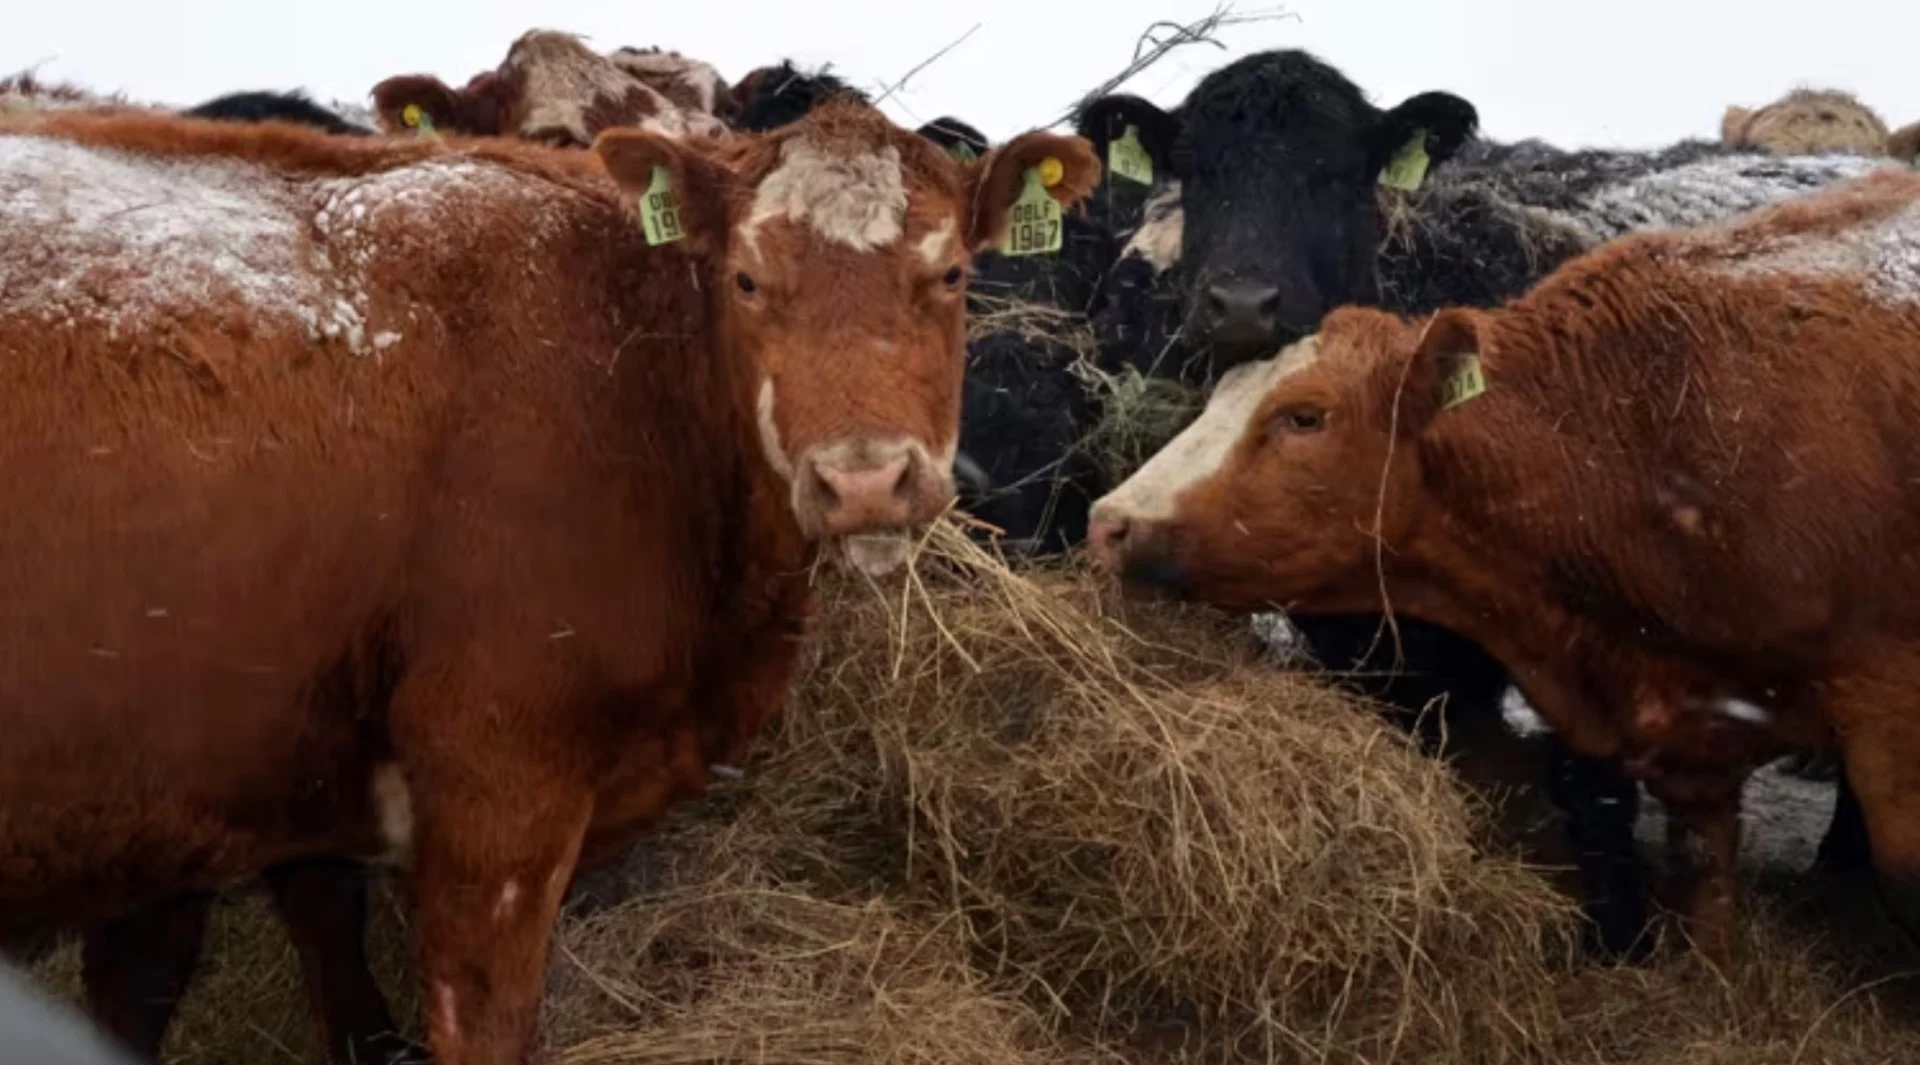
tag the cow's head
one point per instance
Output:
(1279, 157)
(550, 88)
(770, 97)
(837, 250)
(1281, 492)
(1807, 122)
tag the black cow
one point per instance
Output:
(275, 106)
(1278, 160)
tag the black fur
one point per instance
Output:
(275, 106)
(771, 97)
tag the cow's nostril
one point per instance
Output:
(824, 488)
(903, 485)
(1217, 301)
(1270, 306)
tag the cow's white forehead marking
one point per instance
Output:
(1202, 448)
(857, 199)
(770, 432)
(937, 245)
(1158, 238)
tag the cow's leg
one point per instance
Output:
(324, 904)
(136, 969)
(499, 815)
(1709, 806)
(1880, 740)
(1600, 804)
(1845, 848)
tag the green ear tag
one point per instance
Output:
(1409, 165)
(660, 210)
(1465, 382)
(1033, 227)
(1127, 159)
(417, 119)
(962, 152)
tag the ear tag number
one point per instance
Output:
(1034, 226)
(1464, 382)
(660, 209)
(1127, 159)
(1409, 165)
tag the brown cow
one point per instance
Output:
(551, 87)
(1682, 512)
(398, 498)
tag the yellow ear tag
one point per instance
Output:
(1033, 227)
(1465, 382)
(1409, 165)
(660, 209)
(416, 119)
(1051, 171)
(962, 152)
(1127, 159)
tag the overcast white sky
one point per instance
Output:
(1628, 72)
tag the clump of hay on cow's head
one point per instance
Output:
(1139, 830)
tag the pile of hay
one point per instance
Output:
(1000, 825)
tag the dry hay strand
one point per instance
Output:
(990, 313)
(1139, 415)
(733, 969)
(1787, 1002)
(1150, 837)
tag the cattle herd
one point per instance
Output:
(439, 487)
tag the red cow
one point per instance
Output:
(1682, 512)
(409, 498)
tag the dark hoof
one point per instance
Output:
(1617, 931)
(1900, 893)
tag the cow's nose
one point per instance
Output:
(861, 489)
(1107, 540)
(1242, 311)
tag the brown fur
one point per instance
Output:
(1807, 122)
(534, 553)
(1904, 144)
(1683, 484)
(550, 87)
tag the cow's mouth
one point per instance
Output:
(877, 554)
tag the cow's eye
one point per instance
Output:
(954, 277)
(745, 284)
(1300, 420)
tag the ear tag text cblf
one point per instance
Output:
(1128, 159)
(660, 210)
(1409, 165)
(1034, 225)
(1464, 381)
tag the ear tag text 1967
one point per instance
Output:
(1464, 381)
(660, 210)
(1409, 165)
(1034, 226)
(1128, 159)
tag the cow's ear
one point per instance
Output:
(995, 182)
(1733, 125)
(417, 103)
(1444, 371)
(677, 190)
(1107, 119)
(1444, 121)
